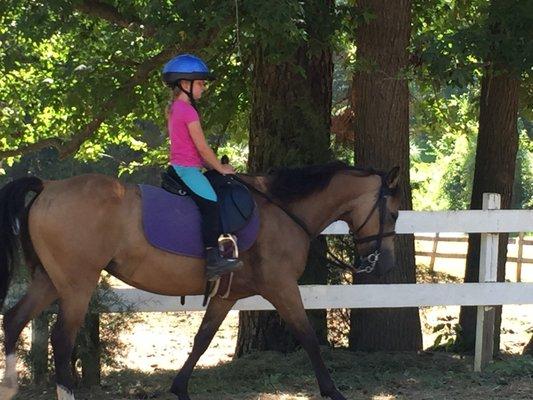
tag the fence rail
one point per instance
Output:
(520, 241)
(353, 296)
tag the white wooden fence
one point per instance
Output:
(489, 222)
(521, 243)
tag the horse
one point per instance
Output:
(75, 228)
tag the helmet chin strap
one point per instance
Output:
(188, 93)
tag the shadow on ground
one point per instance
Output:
(378, 376)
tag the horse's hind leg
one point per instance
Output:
(215, 314)
(288, 302)
(39, 296)
(73, 304)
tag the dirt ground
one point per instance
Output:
(166, 344)
(273, 376)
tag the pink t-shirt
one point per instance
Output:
(182, 149)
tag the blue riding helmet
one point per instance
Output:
(185, 67)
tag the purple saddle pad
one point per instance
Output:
(172, 223)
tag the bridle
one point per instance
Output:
(368, 263)
(365, 264)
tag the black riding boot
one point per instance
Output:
(211, 230)
(218, 265)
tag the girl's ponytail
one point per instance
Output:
(175, 91)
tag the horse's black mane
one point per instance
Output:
(289, 184)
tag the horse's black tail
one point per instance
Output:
(13, 221)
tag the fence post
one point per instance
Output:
(519, 256)
(488, 267)
(433, 253)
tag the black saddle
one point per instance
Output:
(235, 201)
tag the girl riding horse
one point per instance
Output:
(75, 228)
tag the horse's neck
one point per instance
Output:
(320, 209)
(341, 195)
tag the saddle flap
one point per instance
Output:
(236, 206)
(235, 201)
(242, 199)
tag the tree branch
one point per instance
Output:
(111, 14)
(30, 148)
(140, 76)
(69, 146)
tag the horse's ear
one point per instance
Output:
(393, 177)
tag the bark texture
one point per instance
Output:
(380, 101)
(497, 146)
(289, 126)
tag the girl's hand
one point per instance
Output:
(226, 169)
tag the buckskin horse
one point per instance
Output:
(73, 229)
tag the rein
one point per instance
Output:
(367, 263)
(270, 199)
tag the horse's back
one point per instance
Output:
(89, 187)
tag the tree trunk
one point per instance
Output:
(497, 146)
(380, 100)
(289, 125)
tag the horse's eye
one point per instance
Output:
(394, 216)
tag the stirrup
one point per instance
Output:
(212, 288)
(227, 245)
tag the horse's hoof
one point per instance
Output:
(181, 395)
(64, 394)
(333, 395)
(7, 393)
(179, 388)
(337, 396)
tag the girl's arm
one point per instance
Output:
(207, 154)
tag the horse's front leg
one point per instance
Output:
(214, 316)
(285, 296)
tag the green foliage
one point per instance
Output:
(58, 78)
(443, 144)
(453, 42)
(455, 39)
(443, 139)
(523, 186)
(447, 332)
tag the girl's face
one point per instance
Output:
(198, 88)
